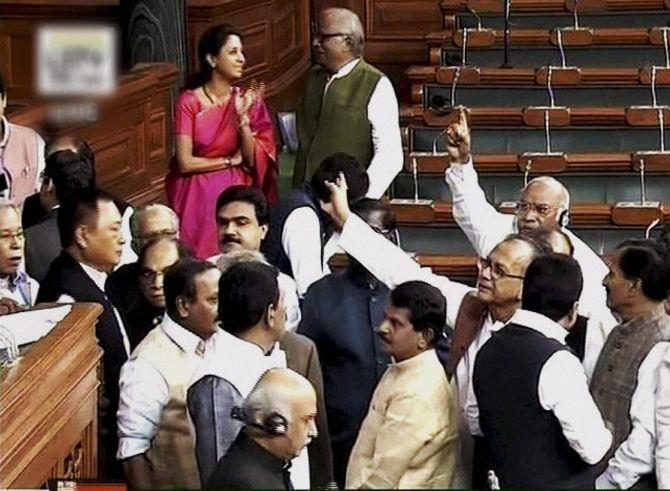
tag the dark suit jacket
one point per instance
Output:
(247, 465)
(32, 212)
(301, 356)
(67, 277)
(42, 245)
(139, 316)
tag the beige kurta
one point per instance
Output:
(409, 438)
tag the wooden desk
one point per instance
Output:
(49, 405)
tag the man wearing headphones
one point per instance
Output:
(279, 422)
(544, 204)
(348, 106)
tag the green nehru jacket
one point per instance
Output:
(337, 121)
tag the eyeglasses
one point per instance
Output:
(321, 37)
(497, 272)
(9, 237)
(540, 208)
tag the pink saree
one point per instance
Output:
(214, 133)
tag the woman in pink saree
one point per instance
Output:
(224, 137)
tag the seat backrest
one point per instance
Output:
(210, 401)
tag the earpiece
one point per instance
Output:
(274, 424)
(563, 217)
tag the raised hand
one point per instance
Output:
(458, 139)
(338, 207)
(244, 100)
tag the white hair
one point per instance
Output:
(555, 184)
(351, 24)
(151, 208)
(240, 256)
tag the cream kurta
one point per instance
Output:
(409, 438)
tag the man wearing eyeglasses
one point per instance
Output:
(474, 314)
(340, 314)
(17, 289)
(348, 106)
(544, 204)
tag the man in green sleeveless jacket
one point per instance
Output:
(349, 106)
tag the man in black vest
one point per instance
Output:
(89, 226)
(535, 411)
(298, 224)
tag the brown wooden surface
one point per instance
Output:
(421, 74)
(48, 405)
(601, 163)
(542, 37)
(132, 139)
(276, 41)
(18, 22)
(532, 116)
(589, 215)
(449, 6)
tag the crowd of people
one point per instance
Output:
(234, 357)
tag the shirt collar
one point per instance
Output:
(346, 69)
(5, 127)
(14, 281)
(540, 323)
(241, 346)
(98, 277)
(184, 338)
(415, 362)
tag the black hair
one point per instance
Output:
(330, 168)
(552, 284)
(77, 210)
(646, 260)
(179, 281)
(426, 304)
(182, 250)
(81, 148)
(210, 43)
(248, 194)
(365, 206)
(246, 290)
(69, 173)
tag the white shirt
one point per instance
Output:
(663, 424)
(384, 118)
(13, 292)
(144, 393)
(242, 363)
(288, 290)
(128, 256)
(301, 241)
(486, 227)
(563, 389)
(40, 158)
(635, 456)
(100, 278)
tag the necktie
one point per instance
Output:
(200, 350)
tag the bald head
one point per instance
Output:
(150, 222)
(282, 394)
(347, 22)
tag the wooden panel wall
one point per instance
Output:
(18, 22)
(394, 29)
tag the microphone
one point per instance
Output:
(506, 63)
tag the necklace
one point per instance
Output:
(206, 92)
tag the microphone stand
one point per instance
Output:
(506, 63)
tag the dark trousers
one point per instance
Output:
(341, 452)
(481, 463)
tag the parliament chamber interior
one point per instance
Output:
(574, 89)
